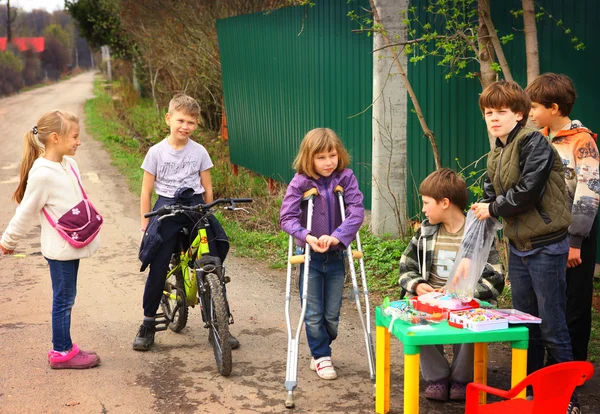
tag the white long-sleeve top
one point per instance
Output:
(53, 186)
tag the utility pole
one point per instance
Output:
(8, 23)
(106, 58)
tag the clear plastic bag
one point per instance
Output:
(472, 256)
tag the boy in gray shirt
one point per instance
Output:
(175, 162)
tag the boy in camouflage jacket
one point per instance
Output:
(425, 266)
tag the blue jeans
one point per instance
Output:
(539, 288)
(64, 290)
(326, 276)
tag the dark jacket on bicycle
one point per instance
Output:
(167, 229)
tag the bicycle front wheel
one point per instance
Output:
(218, 324)
(173, 302)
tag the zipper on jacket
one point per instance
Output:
(326, 180)
(498, 172)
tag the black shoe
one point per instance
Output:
(234, 342)
(145, 338)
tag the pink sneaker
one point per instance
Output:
(75, 359)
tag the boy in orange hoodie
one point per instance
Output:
(552, 97)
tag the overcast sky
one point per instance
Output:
(49, 5)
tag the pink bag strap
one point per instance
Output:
(79, 182)
(52, 222)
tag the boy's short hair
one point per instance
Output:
(506, 94)
(552, 88)
(445, 183)
(184, 103)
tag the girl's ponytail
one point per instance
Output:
(31, 153)
(53, 122)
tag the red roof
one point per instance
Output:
(24, 43)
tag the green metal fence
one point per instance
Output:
(451, 107)
(292, 70)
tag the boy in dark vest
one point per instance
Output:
(525, 186)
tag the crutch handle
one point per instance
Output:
(357, 255)
(298, 259)
(338, 189)
(311, 192)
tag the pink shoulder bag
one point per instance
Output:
(81, 224)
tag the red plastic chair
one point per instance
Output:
(552, 390)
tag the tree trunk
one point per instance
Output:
(426, 131)
(531, 41)
(486, 55)
(485, 19)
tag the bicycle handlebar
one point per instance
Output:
(179, 208)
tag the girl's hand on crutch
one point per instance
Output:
(314, 244)
(325, 241)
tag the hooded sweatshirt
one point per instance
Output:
(577, 148)
(51, 186)
(417, 261)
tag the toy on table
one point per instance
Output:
(478, 320)
(515, 316)
(403, 311)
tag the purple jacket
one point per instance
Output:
(327, 218)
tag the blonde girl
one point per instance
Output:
(49, 181)
(322, 163)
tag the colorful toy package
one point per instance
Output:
(478, 320)
(403, 311)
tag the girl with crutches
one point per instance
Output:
(321, 163)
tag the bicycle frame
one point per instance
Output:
(199, 245)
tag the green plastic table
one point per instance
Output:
(442, 334)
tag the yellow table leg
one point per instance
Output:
(382, 371)
(411, 384)
(519, 369)
(480, 367)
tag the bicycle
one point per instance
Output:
(195, 277)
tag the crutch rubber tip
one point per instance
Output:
(289, 401)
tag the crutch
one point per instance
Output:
(291, 371)
(358, 254)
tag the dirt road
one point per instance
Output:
(179, 374)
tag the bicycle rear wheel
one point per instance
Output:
(218, 324)
(173, 302)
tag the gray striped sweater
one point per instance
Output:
(417, 260)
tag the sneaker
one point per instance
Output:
(458, 391)
(50, 353)
(233, 341)
(438, 390)
(75, 359)
(573, 408)
(145, 338)
(324, 368)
